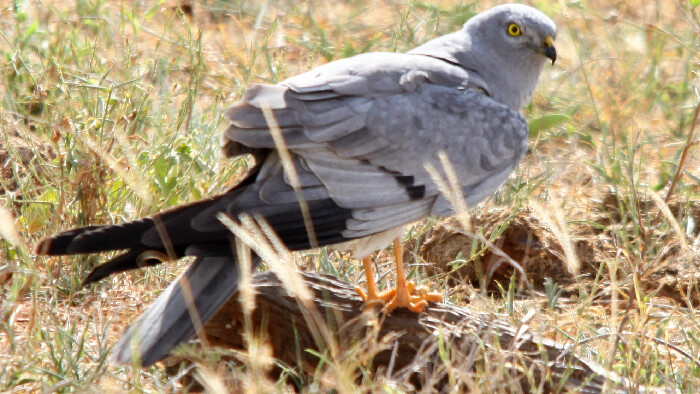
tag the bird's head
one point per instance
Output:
(515, 31)
(509, 47)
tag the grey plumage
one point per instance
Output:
(167, 321)
(361, 132)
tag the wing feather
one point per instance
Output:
(366, 138)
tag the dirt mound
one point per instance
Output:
(672, 268)
(520, 236)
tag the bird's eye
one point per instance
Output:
(514, 30)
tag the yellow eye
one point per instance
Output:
(514, 30)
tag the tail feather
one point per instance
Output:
(167, 322)
(123, 262)
(133, 259)
(58, 244)
(139, 258)
(105, 238)
(91, 239)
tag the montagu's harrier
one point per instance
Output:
(360, 132)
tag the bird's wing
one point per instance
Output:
(367, 134)
(483, 140)
(365, 76)
(168, 321)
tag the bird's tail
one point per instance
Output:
(169, 321)
(146, 244)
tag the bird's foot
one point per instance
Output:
(414, 298)
(411, 297)
(380, 298)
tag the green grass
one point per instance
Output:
(110, 112)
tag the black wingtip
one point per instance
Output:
(92, 278)
(130, 260)
(98, 273)
(42, 247)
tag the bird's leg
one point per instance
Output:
(372, 296)
(405, 295)
(402, 293)
(404, 290)
(369, 276)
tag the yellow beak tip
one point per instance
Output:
(548, 41)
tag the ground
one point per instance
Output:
(112, 110)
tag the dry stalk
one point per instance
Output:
(647, 234)
(289, 171)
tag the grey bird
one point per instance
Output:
(360, 132)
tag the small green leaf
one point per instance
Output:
(30, 31)
(20, 10)
(130, 16)
(694, 3)
(546, 122)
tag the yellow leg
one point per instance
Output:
(372, 296)
(369, 276)
(404, 290)
(403, 296)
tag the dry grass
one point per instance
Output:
(113, 111)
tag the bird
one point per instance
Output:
(360, 135)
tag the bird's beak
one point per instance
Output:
(549, 50)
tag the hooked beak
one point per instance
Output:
(549, 50)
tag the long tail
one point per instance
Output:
(146, 245)
(168, 321)
(212, 278)
(194, 230)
